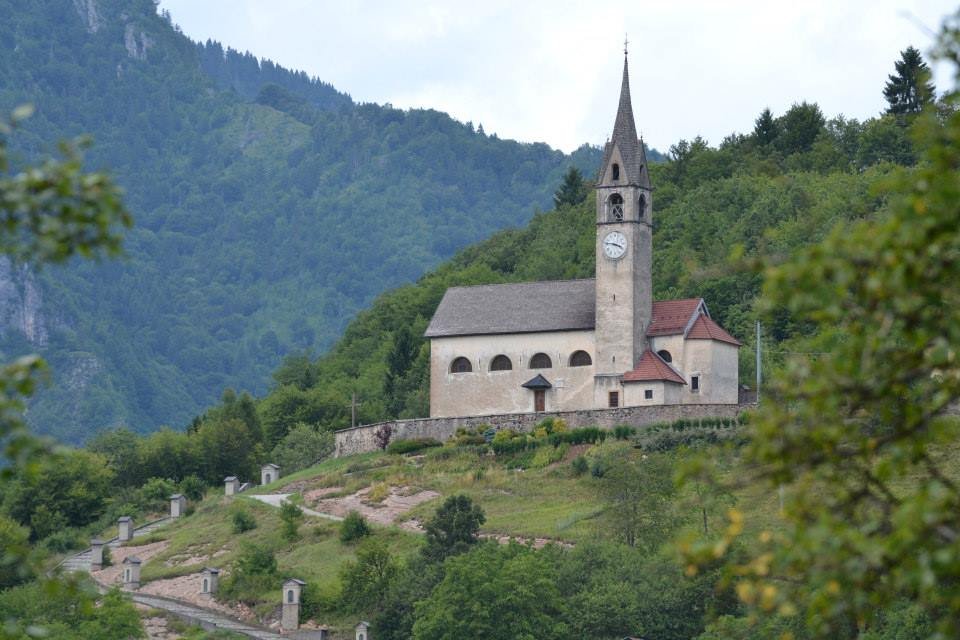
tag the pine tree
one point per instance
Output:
(573, 190)
(765, 129)
(909, 89)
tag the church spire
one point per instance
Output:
(625, 135)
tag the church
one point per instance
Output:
(584, 344)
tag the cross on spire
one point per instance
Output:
(625, 43)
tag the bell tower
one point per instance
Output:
(624, 291)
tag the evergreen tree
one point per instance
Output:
(765, 129)
(573, 191)
(909, 90)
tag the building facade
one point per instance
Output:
(584, 344)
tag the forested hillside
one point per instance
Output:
(269, 208)
(766, 193)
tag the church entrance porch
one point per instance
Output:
(539, 386)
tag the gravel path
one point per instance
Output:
(276, 499)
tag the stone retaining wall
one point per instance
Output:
(361, 439)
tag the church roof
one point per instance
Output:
(555, 305)
(625, 138)
(528, 307)
(653, 368)
(671, 317)
(706, 329)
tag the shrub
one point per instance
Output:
(623, 432)
(400, 447)
(192, 487)
(503, 435)
(243, 521)
(155, 493)
(66, 539)
(378, 492)
(353, 527)
(107, 557)
(291, 515)
(546, 456)
(303, 446)
(580, 466)
(254, 572)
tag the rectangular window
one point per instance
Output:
(648, 394)
(695, 384)
(614, 399)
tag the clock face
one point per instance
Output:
(614, 245)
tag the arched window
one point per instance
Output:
(206, 585)
(501, 363)
(290, 596)
(615, 170)
(641, 206)
(580, 359)
(460, 365)
(663, 353)
(615, 207)
(541, 361)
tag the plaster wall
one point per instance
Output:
(484, 392)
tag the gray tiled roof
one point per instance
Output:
(527, 307)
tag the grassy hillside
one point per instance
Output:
(536, 496)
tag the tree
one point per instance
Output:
(302, 447)
(909, 89)
(366, 581)
(494, 592)
(765, 129)
(573, 191)
(638, 496)
(453, 529)
(800, 126)
(291, 516)
(857, 436)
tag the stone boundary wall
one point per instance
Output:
(361, 439)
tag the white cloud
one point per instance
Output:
(549, 71)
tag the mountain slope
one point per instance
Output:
(269, 208)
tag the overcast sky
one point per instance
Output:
(548, 70)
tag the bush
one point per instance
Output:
(193, 487)
(291, 515)
(353, 528)
(504, 435)
(547, 455)
(254, 572)
(243, 521)
(400, 447)
(580, 466)
(155, 493)
(624, 432)
(67, 539)
(585, 435)
(107, 556)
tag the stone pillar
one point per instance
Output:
(231, 486)
(209, 581)
(363, 631)
(131, 573)
(290, 614)
(269, 473)
(178, 505)
(96, 554)
(125, 526)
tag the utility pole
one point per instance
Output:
(759, 375)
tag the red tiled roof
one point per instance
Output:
(652, 367)
(670, 317)
(706, 329)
